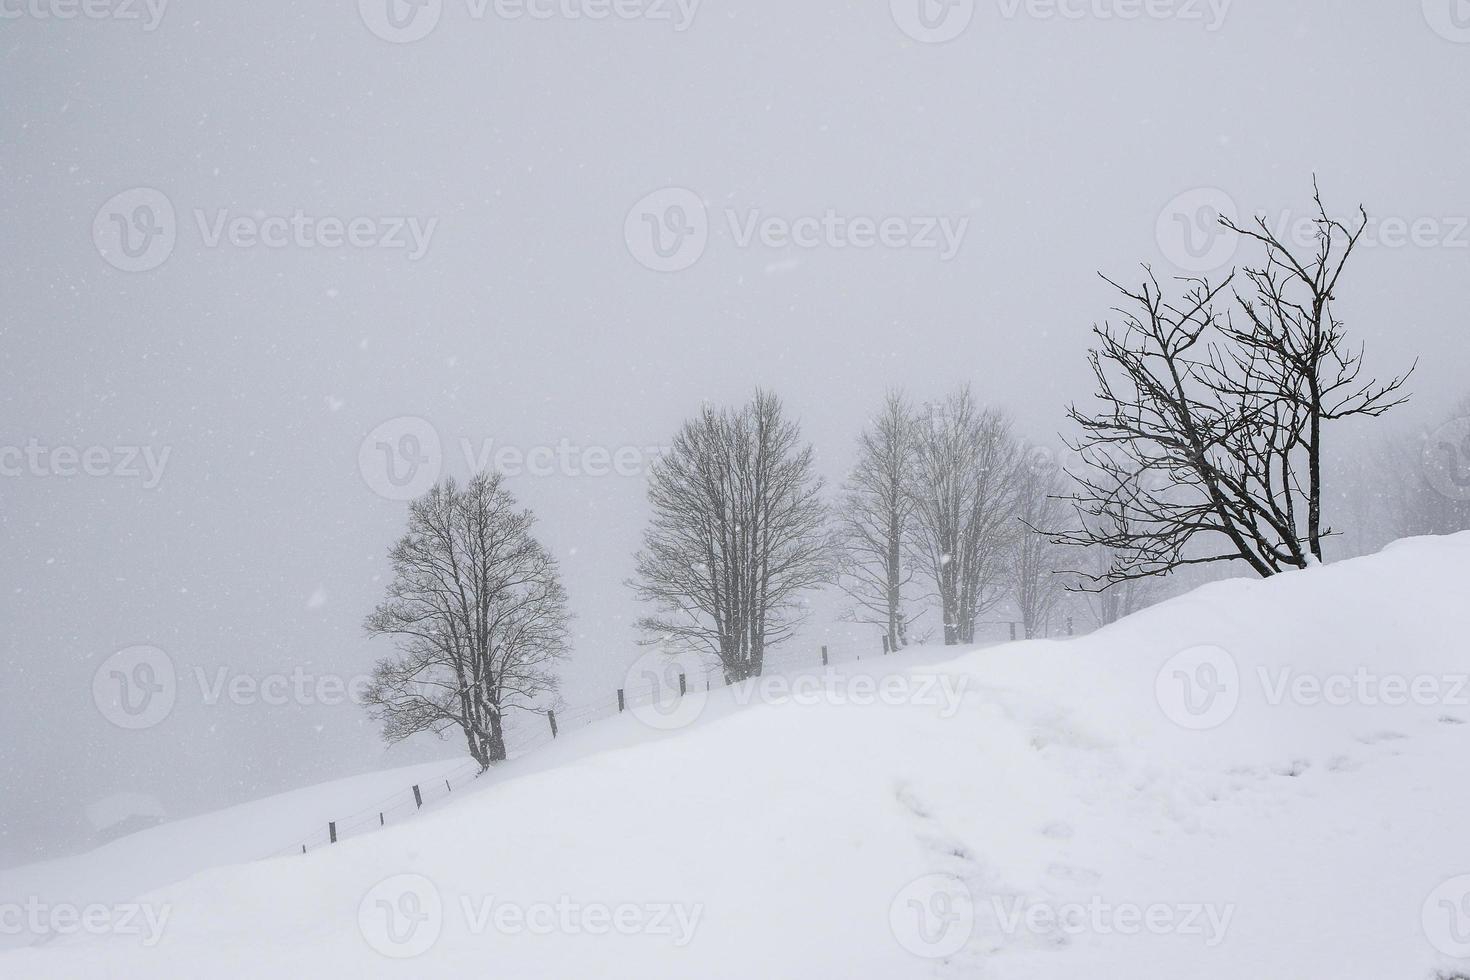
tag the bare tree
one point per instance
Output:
(1039, 564)
(1208, 444)
(737, 537)
(963, 493)
(875, 522)
(477, 607)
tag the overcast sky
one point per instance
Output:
(847, 196)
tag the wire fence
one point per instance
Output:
(549, 724)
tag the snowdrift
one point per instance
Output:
(1259, 779)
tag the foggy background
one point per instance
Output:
(1071, 144)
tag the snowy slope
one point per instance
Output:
(140, 862)
(1260, 779)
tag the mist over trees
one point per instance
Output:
(478, 611)
(964, 494)
(1039, 564)
(875, 523)
(1205, 447)
(1206, 437)
(738, 536)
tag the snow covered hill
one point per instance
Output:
(1259, 779)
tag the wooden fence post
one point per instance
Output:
(418, 798)
(620, 701)
(824, 656)
(332, 831)
(551, 717)
(1013, 630)
(447, 787)
(683, 687)
(380, 818)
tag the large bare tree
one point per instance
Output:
(964, 498)
(875, 522)
(737, 536)
(1206, 441)
(477, 607)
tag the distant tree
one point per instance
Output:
(1215, 422)
(477, 607)
(964, 498)
(737, 537)
(1039, 565)
(875, 522)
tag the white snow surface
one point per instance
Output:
(823, 837)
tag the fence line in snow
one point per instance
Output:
(409, 802)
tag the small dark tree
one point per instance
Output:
(875, 522)
(737, 537)
(478, 610)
